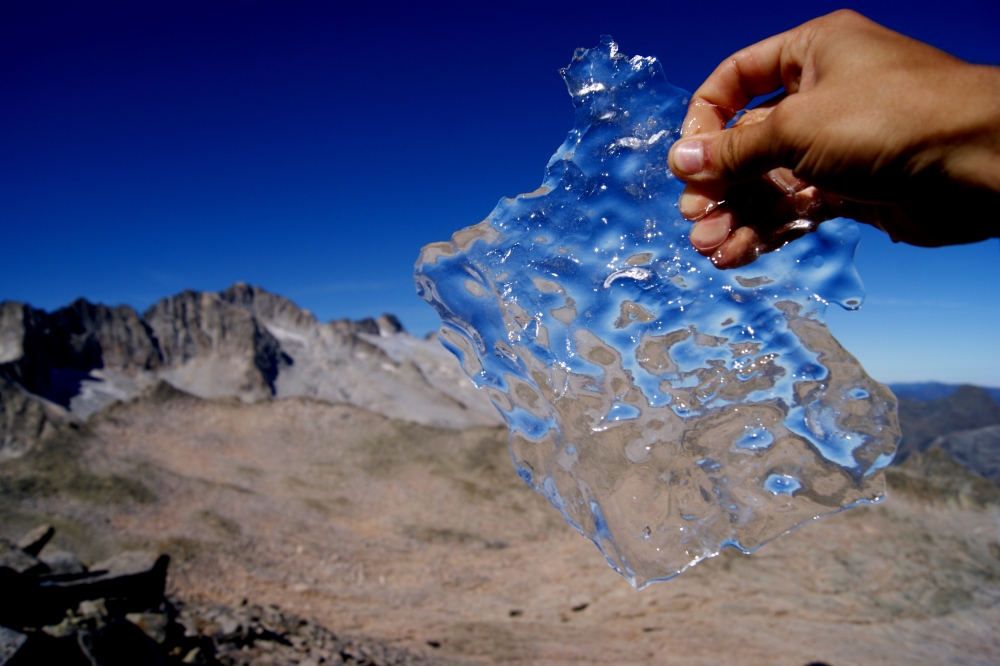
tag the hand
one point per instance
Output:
(873, 126)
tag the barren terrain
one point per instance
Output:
(426, 538)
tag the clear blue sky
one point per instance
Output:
(148, 147)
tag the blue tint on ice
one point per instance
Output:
(755, 438)
(620, 412)
(781, 484)
(623, 360)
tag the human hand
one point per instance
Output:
(873, 126)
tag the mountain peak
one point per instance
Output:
(243, 342)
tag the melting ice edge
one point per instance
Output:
(668, 409)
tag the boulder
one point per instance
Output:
(120, 643)
(33, 542)
(10, 642)
(17, 560)
(61, 563)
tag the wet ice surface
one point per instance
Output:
(668, 409)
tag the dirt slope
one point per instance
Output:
(426, 537)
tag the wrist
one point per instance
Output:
(972, 159)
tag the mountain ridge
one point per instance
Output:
(242, 342)
(928, 391)
(247, 343)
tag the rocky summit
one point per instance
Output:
(243, 343)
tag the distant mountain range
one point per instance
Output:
(927, 391)
(249, 344)
(243, 343)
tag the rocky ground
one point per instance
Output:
(424, 541)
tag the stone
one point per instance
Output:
(10, 642)
(92, 609)
(67, 627)
(135, 580)
(33, 542)
(62, 563)
(120, 643)
(153, 625)
(20, 561)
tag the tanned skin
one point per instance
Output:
(871, 125)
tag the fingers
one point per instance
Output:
(756, 70)
(742, 247)
(711, 232)
(696, 202)
(735, 155)
(759, 216)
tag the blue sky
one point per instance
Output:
(310, 149)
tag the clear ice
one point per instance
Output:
(668, 409)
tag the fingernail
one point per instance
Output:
(710, 233)
(695, 206)
(689, 157)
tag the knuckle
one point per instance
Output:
(784, 127)
(731, 153)
(841, 17)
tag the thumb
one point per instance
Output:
(733, 155)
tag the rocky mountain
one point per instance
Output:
(968, 408)
(243, 342)
(249, 344)
(977, 450)
(927, 391)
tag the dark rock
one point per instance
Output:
(33, 542)
(116, 614)
(10, 642)
(347, 327)
(153, 625)
(254, 635)
(130, 582)
(267, 307)
(61, 563)
(20, 562)
(120, 643)
(135, 579)
(201, 325)
(43, 650)
(51, 353)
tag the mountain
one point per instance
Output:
(968, 408)
(244, 343)
(252, 345)
(423, 537)
(927, 391)
(977, 450)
